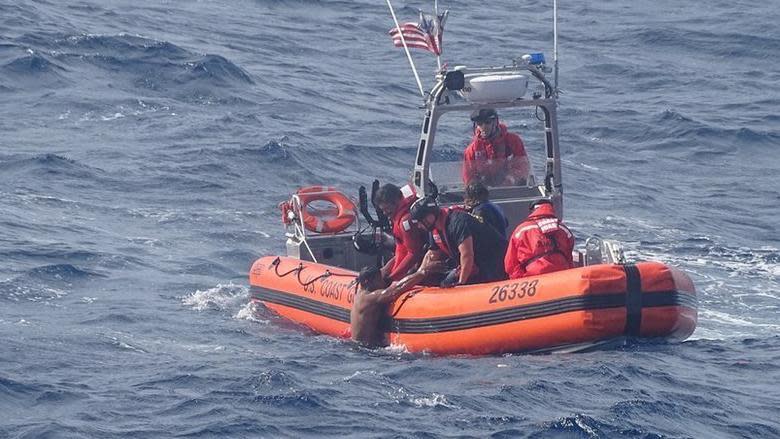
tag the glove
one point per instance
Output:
(451, 279)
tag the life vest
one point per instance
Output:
(488, 149)
(399, 223)
(550, 243)
(440, 235)
(408, 239)
(493, 158)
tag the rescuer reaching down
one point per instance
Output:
(394, 202)
(473, 247)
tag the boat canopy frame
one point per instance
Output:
(445, 98)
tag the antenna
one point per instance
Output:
(406, 49)
(555, 44)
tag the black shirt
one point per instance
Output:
(493, 215)
(489, 246)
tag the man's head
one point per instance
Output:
(370, 278)
(476, 192)
(387, 199)
(486, 119)
(424, 211)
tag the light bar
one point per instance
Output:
(535, 59)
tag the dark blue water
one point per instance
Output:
(145, 145)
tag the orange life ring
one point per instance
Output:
(345, 209)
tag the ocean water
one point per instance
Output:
(144, 147)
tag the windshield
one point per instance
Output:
(507, 151)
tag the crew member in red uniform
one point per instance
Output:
(394, 202)
(540, 244)
(495, 157)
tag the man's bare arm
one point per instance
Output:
(388, 267)
(429, 265)
(466, 249)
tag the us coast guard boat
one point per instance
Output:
(603, 300)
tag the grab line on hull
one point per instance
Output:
(298, 271)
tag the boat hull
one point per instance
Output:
(580, 306)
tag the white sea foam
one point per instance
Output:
(124, 345)
(220, 297)
(151, 242)
(734, 321)
(112, 117)
(434, 400)
(396, 349)
(717, 325)
(249, 312)
(356, 374)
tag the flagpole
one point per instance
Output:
(406, 49)
(436, 17)
(555, 43)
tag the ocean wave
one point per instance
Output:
(216, 68)
(32, 64)
(14, 291)
(47, 164)
(581, 425)
(17, 390)
(58, 257)
(739, 45)
(292, 399)
(136, 61)
(272, 379)
(62, 273)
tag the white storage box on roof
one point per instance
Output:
(495, 88)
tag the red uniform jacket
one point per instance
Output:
(540, 244)
(499, 161)
(409, 239)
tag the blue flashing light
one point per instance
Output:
(536, 58)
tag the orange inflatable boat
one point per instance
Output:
(577, 307)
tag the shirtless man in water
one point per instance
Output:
(374, 296)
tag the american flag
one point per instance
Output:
(425, 34)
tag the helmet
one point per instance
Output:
(483, 115)
(539, 202)
(422, 207)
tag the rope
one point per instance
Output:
(306, 284)
(300, 232)
(276, 263)
(299, 269)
